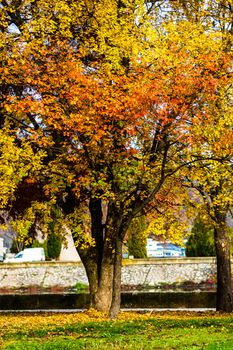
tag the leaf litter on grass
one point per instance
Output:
(134, 330)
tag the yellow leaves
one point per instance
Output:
(14, 323)
(15, 164)
(113, 25)
(22, 227)
(103, 80)
(168, 227)
(212, 187)
(79, 224)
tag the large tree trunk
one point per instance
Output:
(101, 256)
(224, 288)
(103, 296)
(98, 261)
(103, 261)
(100, 285)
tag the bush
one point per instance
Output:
(81, 287)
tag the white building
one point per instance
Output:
(157, 249)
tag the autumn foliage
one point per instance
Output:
(115, 105)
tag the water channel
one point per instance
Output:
(165, 297)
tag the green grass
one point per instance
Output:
(192, 333)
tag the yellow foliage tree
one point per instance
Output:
(114, 93)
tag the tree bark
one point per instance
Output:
(103, 296)
(95, 207)
(108, 294)
(103, 261)
(100, 285)
(224, 300)
(116, 294)
(92, 275)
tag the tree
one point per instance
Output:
(54, 240)
(137, 237)
(201, 240)
(54, 243)
(113, 101)
(214, 197)
(211, 182)
(213, 179)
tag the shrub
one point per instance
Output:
(81, 287)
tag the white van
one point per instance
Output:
(27, 255)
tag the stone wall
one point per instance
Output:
(45, 275)
(169, 271)
(148, 272)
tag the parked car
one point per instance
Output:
(27, 255)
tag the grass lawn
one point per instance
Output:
(131, 331)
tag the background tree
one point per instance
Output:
(137, 237)
(54, 239)
(54, 243)
(201, 240)
(213, 181)
(214, 196)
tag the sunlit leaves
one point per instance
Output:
(124, 102)
(16, 162)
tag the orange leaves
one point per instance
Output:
(95, 116)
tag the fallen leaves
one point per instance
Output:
(14, 322)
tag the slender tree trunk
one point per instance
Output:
(224, 288)
(116, 295)
(95, 207)
(103, 293)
